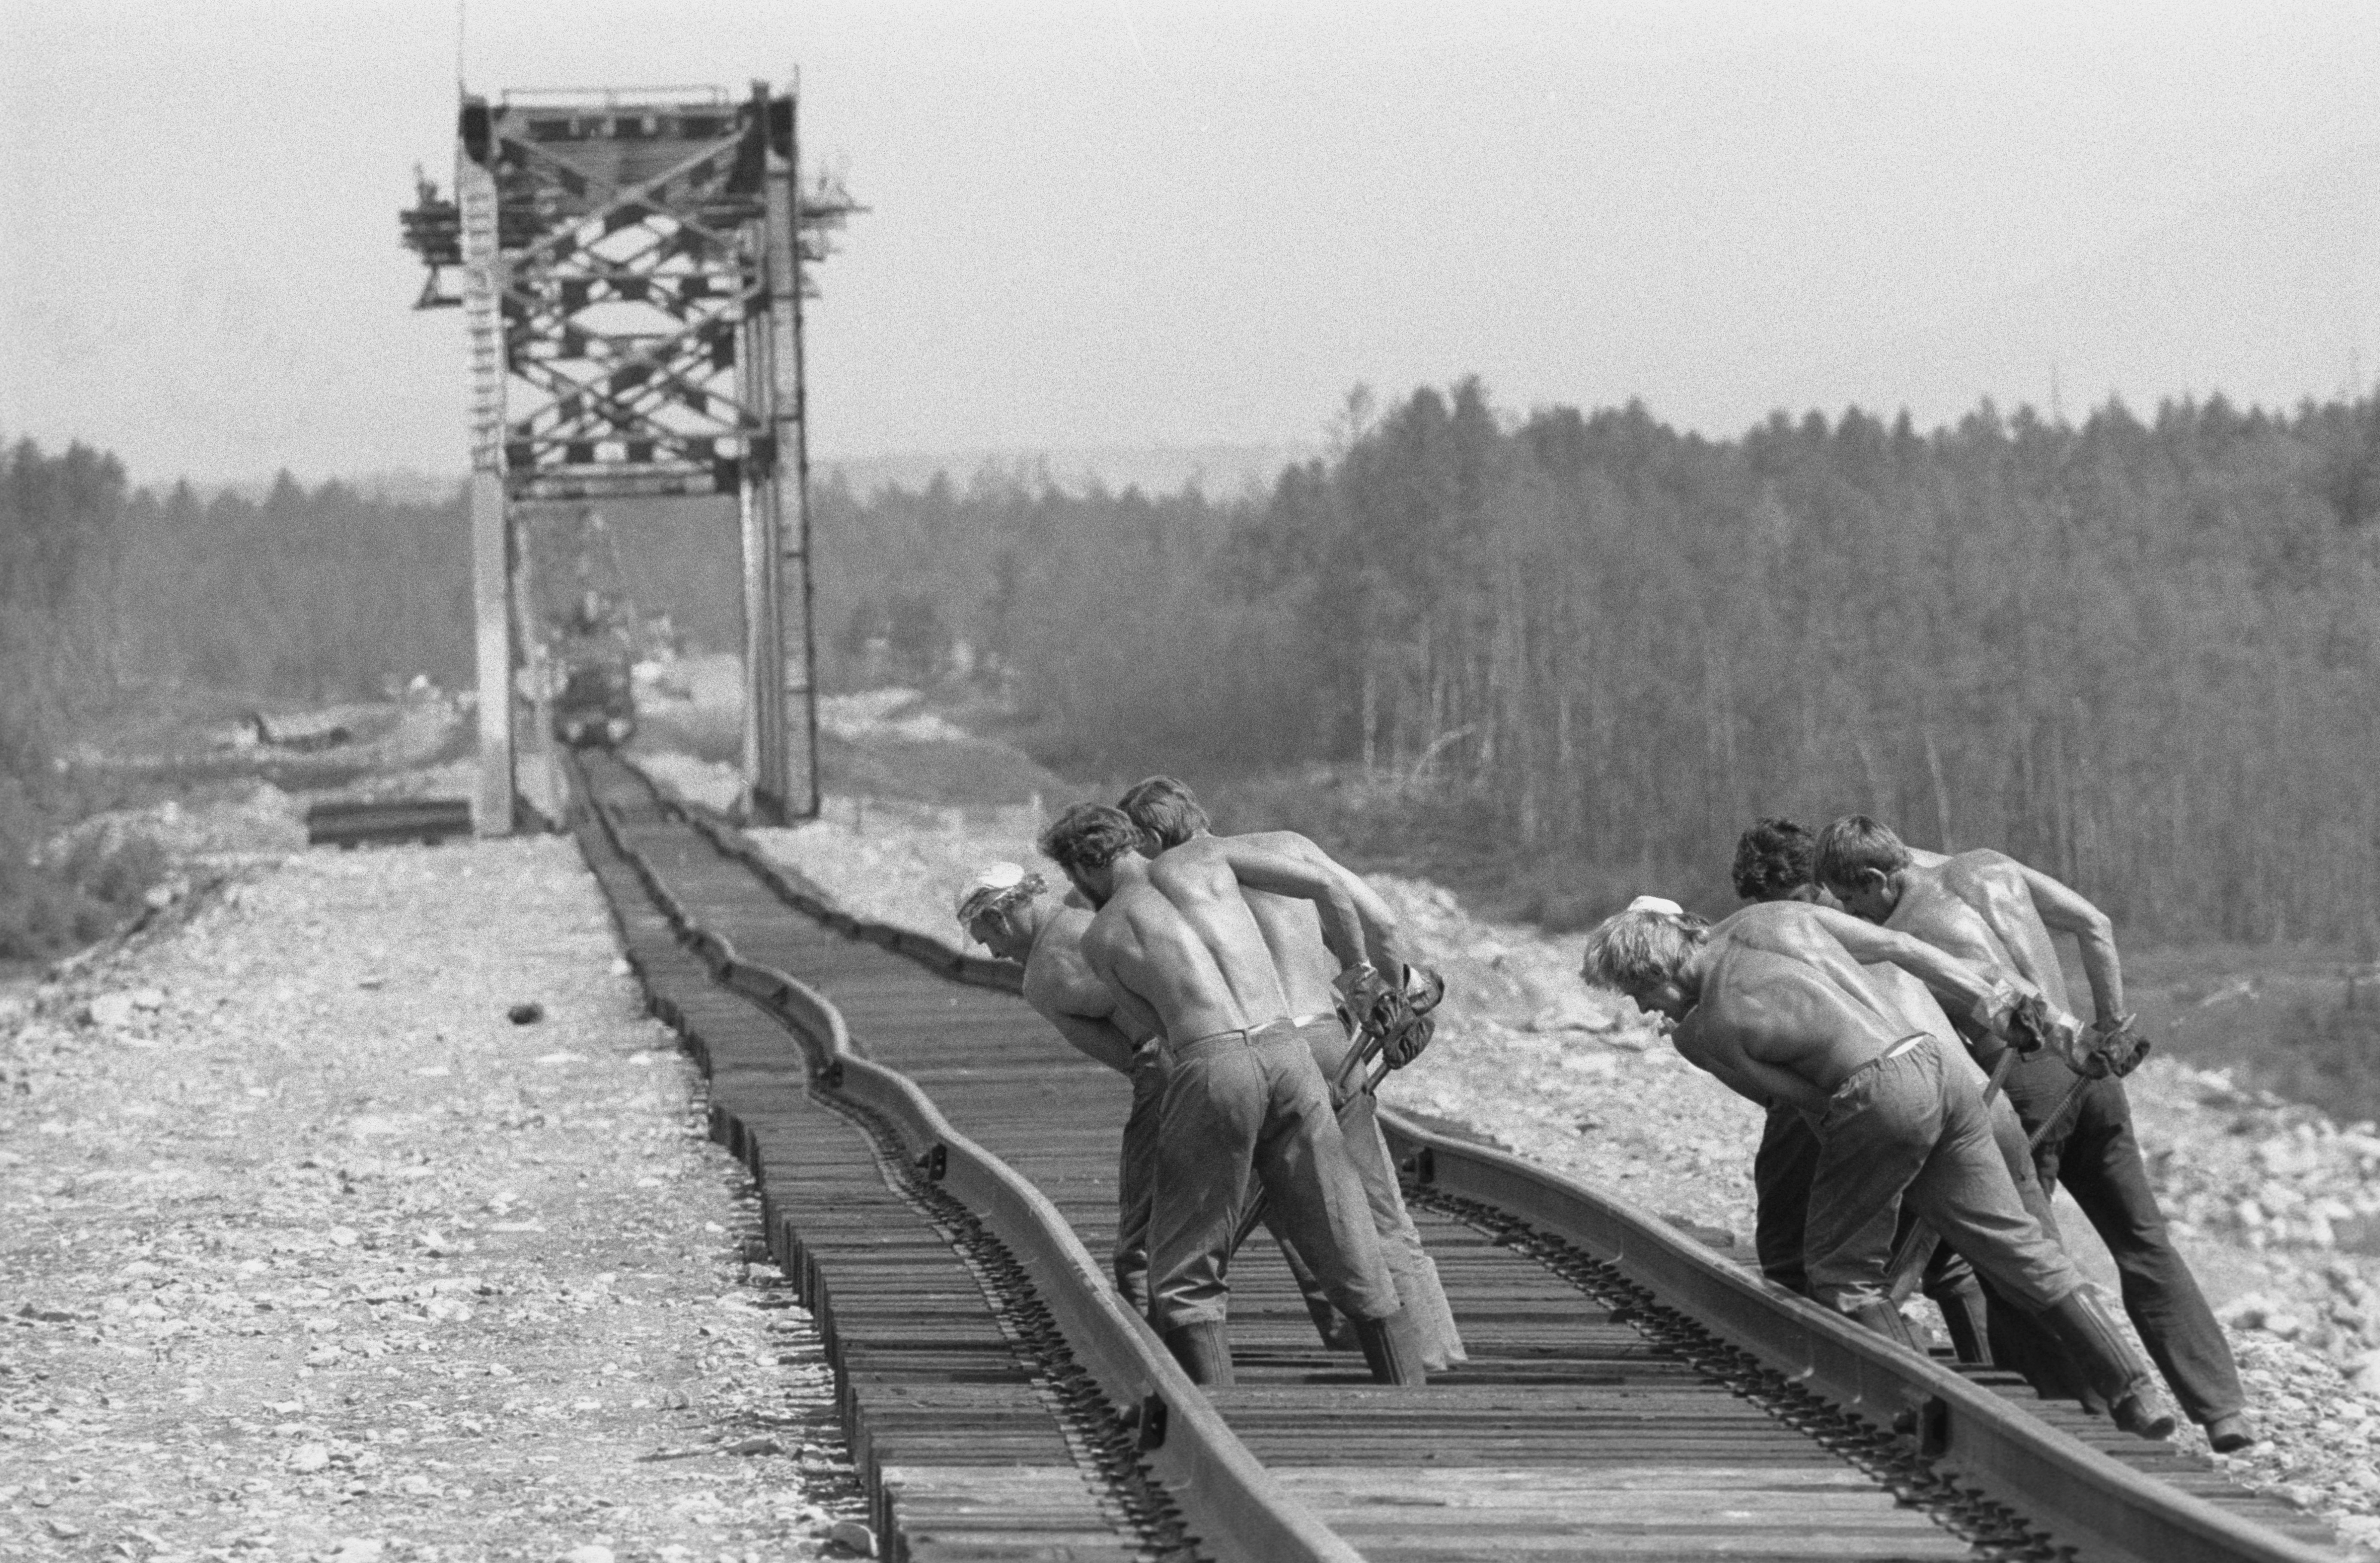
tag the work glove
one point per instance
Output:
(2113, 1046)
(2016, 1015)
(1391, 1015)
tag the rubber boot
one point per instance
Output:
(1391, 1350)
(1881, 1316)
(1337, 1334)
(1967, 1318)
(2116, 1376)
(1204, 1350)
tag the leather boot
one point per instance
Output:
(1881, 1316)
(2115, 1374)
(1204, 1350)
(1337, 1334)
(1966, 1318)
(1390, 1349)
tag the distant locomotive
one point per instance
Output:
(597, 707)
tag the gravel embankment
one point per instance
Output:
(1574, 1079)
(312, 1252)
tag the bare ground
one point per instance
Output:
(312, 1252)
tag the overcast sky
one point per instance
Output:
(1128, 224)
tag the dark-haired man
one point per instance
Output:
(1772, 863)
(1179, 834)
(1776, 860)
(1007, 909)
(1242, 1097)
(1776, 1002)
(1998, 915)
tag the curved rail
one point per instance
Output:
(1227, 1496)
(1956, 1428)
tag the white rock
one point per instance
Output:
(111, 1010)
(148, 999)
(591, 1553)
(2284, 1323)
(306, 1458)
(853, 1534)
(359, 1549)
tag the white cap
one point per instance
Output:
(1656, 904)
(989, 885)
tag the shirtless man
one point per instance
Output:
(1177, 831)
(1006, 909)
(1995, 913)
(1772, 863)
(1775, 1002)
(1776, 860)
(1186, 959)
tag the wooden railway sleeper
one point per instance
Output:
(1896, 1461)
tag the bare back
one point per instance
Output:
(1913, 1007)
(1992, 884)
(1168, 975)
(1784, 1004)
(1206, 896)
(1059, 982)
(1930, 908)
(1291, 925)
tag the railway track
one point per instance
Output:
(937, 1171)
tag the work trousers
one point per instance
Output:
(1419, 1291)
(1136, 1191)
(1907, 1128)
(1241, 1106)
(1782, 1171)
(2096, 1154)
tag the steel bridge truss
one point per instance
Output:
(633, 273)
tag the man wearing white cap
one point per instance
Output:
(1008, 910)
(1775, 1002)
(1177, 827)
(1243, 1101)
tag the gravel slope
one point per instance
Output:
(310, 1252)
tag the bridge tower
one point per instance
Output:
(632, 273)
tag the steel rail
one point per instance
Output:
(2084, 1497)
(1227, 1497)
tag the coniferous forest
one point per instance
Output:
(2140, 650)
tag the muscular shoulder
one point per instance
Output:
(1289, 844)
(1772, 926)
(1983, 869)
(1059, 976)
(1197, 867)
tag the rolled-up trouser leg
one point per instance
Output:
(2020, 1341)
(1420, 1294)
(1301, 1158)
(1781, 1171)
(1212, 1113)
(1136, 1179)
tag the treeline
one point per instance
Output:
(2144, 654)
(107, 593)
(308, 594)
(58, 516)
